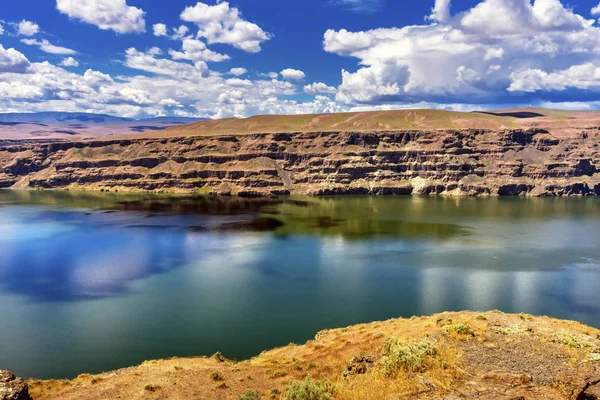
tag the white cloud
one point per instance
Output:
(28, 28)
(444, 61)
(48, 47)
(520, 16)
(147, 62)
(1, 30)
(595, 10)
(466, 75)
(492, 53)
(319, 87)
(584, 76)
(180, 32)
(440, 11)
(12, 61)
(159, 29)
(238, 71)
(113, 15)
(195, 50)
(223, 24)
(69, 62)
(293, 75)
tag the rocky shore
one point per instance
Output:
(448, 356)
(463, 162)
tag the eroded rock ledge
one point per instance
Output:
(467, 162)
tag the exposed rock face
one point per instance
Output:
(13, 388)
(452, 162)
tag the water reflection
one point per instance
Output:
(88, 291)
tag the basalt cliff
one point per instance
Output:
(541, 153)
(453, 162)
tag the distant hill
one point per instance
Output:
(558, 121)
(50, 126)
(49, 117)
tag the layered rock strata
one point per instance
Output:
(450, 162)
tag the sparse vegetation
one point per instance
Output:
(572, 340)
(216, 376)
(460, 329)
(252, 394)
(311, 389)
(277, 374)
(219, 357)
(151, 387)
(511, 330)
(405, 355)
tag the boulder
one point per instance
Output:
(13, 388)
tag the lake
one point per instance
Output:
(95, 282)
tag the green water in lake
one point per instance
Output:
(95, 282)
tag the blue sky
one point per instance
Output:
(140, 58)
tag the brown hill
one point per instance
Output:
(560, 122)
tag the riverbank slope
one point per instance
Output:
(446, 356)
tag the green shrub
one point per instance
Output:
(216, 376)
(460, 329)
(151, 387)
(218, 356)
(277, 374)
(572, 340)
(405, 355)
(310, 389)
(511, 330)
(253, 394)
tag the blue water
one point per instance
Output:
(90, 283)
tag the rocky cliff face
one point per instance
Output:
(453, 162)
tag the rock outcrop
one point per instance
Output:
(13, 388)
(471, 162)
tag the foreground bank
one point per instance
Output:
(445, 356)
(452, 162)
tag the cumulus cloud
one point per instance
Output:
(195, 50)
(1, 30)
(238, 71)
(13, 61)
(319, 87)
(595, 10)
(148, 62)
(113, 15)
(224, 24)
(444, 61)
(69, 62)
(28, 28)
(440, 11)
(293, 75)
(584, 76)
(159, 29)
(48, 47)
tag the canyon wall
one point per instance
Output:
(452, 162)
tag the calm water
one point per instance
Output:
(96, 282)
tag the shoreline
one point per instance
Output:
(487, 355)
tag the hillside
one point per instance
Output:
(446, 356)
(559, 121)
